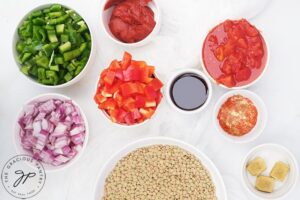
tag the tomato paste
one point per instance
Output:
(238, 115)
(131, 20)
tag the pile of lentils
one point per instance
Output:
(159, 172)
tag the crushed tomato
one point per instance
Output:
(128, 91)
(234, 53)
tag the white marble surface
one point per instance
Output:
(185, 22)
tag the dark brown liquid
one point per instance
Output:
(189, 91)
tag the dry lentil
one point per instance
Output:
(159, 172)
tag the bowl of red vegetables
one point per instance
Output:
(130, 23)
(53, 129)
(128, 92)
(235, 54)
(53, 46)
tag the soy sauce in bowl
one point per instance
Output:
(189, 91)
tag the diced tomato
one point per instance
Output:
(109, 77)
(227, 80)
(251, 31)
(239, 45)
(236, 32)
(228, 48)
(243, 74)
(213, 39)
(126, 60)
(156, 84)
(227, 25)
(226, 67)
(130, 88)
(242, 43)
(219, 53)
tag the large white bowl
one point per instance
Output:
(237, 87)
(17, 139)
(216, 177)
(75, 79)
(105, 17)
(261, 118)
(271, 153)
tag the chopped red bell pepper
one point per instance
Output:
(128, 91)
(126, 60)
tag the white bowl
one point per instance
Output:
(271, 153)
(105, 17)
(177, 74)
(17, 139)
(75, 79)
(237, 87)
(216, 177)
(261, 118)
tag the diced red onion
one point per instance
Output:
(53, 131)
(61, 158)
(76, 130)
(59, 130)
(61, 142)
(77, 139)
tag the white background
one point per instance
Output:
(184, 24)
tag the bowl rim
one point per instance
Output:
(246, 85)
(184, 71)
(258, 102)
(278, 146)
(147, 39)
(20, 150)
(16, 38)
(157, 140)
(108, 119)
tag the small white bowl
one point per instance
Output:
(179, 73)
(261, 118)
(17, 139)
(237, 87)
(75, 79)
(271, 153)
(105, 17)
(109, 166)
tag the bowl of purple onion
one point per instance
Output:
(52, 129)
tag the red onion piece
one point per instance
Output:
(53, 131)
